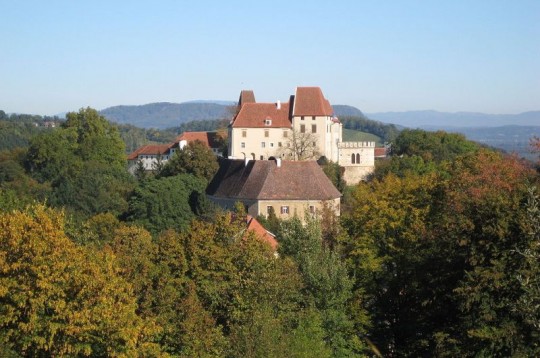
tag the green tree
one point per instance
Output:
(84, 162)
(97, 139)
(195, 158)
(164, 203)
(329, 289)
(334, 172)
(437, 146)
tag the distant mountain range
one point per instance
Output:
(511, 132)
(442, 120)
(165, 115)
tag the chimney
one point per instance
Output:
(278, 162)
(278, 104)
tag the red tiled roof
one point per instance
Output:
(264, 180)
(150, 149)
(309, 101)
(253, 115)
(380, 152)
(254, 226)
(208, 138)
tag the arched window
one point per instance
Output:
(357, 158)
(353, 160)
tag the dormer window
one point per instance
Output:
(267, 122)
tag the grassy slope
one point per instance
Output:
(350, 135)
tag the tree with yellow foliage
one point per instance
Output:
(57, 298)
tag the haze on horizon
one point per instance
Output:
(481, 56)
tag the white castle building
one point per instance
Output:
(304, 125)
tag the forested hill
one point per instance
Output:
(167, 115)
(164, 114)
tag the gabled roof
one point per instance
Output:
(208, 138)
(309, 101)
(264, 180)
(255, 226)
(150, 149)
(254, 115)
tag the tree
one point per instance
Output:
(164, 203)
(195, 158)
(328, 286)
(334, 172)
(388, 229)
(97, 139)
(437, 146)
(59, 299)
(487, 220)
(84, 162)
(300, 146)
(529, 275)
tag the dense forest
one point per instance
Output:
(438, 254)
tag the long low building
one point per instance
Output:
(151, 154)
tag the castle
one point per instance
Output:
(302, 128)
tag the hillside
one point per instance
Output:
(510, 132)
(164, 114)
(341, 110)
(351, 135)
(438, 120)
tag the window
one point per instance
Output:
(271, 145)
(353, 159)
(263, 144)
(279, 144)
(313, 128)
(312, 209)
(266, 133)
(269, 209)
(262, 157)
(302, 128)
(314, 144)
(244, 133)
(313, 117)
(284, 209)
(357, 158)
(267, 122)
(302, 117)
(285, 134)
(243, 145)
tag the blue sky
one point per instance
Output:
(481, 56)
